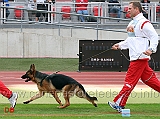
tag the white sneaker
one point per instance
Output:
(13, 99)
(115, 106)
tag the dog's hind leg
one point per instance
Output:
(54, 93)
(40, 94)
(67, 103)
(66, 95)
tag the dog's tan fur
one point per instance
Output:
(46, 86)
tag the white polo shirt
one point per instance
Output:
(40, 1)
(145, 38)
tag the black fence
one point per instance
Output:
(98, 56)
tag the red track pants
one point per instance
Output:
(138, 69)
(5, 91)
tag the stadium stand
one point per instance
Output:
(93, 9)
(66, 9)
(96, 11)
(53, 10)
(126, 15)
(158, 11)
(19, 14)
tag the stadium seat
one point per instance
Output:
(96, 11)
(125, 12)
(158, 11)
(53, 10)
(19, 14)
(66, 9)
(63, 1)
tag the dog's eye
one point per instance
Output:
(31, 72)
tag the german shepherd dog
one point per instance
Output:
(55, 83)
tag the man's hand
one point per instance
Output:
(148, 52)
(115, 47)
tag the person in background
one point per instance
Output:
(12, 97)
(41, 6)
(145, 6)
(115, 8)
(48, 8)
(142, 41)
(81, 8)
(31, 6)
(7, 5)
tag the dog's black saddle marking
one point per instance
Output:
(60, 80)
(47, 78)
(57, 80)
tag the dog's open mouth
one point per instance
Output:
(26, 77)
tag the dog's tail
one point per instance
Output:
(93, 98)
(86, 94)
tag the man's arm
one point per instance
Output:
(152, 36)
(121, 45)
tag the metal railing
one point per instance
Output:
(55, 15)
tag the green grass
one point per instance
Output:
(42, 64)
(80, 111)
(142, 106)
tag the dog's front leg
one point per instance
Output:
(40, 94)
(54, 93)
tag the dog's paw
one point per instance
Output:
(95, 105)
(26, 102)
(60, 107)
(64, 106)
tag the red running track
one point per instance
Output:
(91, 78)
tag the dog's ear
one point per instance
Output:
(32, 67)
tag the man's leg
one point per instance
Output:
(132, 77)
(5, 91)
(85, 12)
(12, 97)
(149, 78)
(7, 12)
(118, 12)
(113, 12)
(81, 17)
